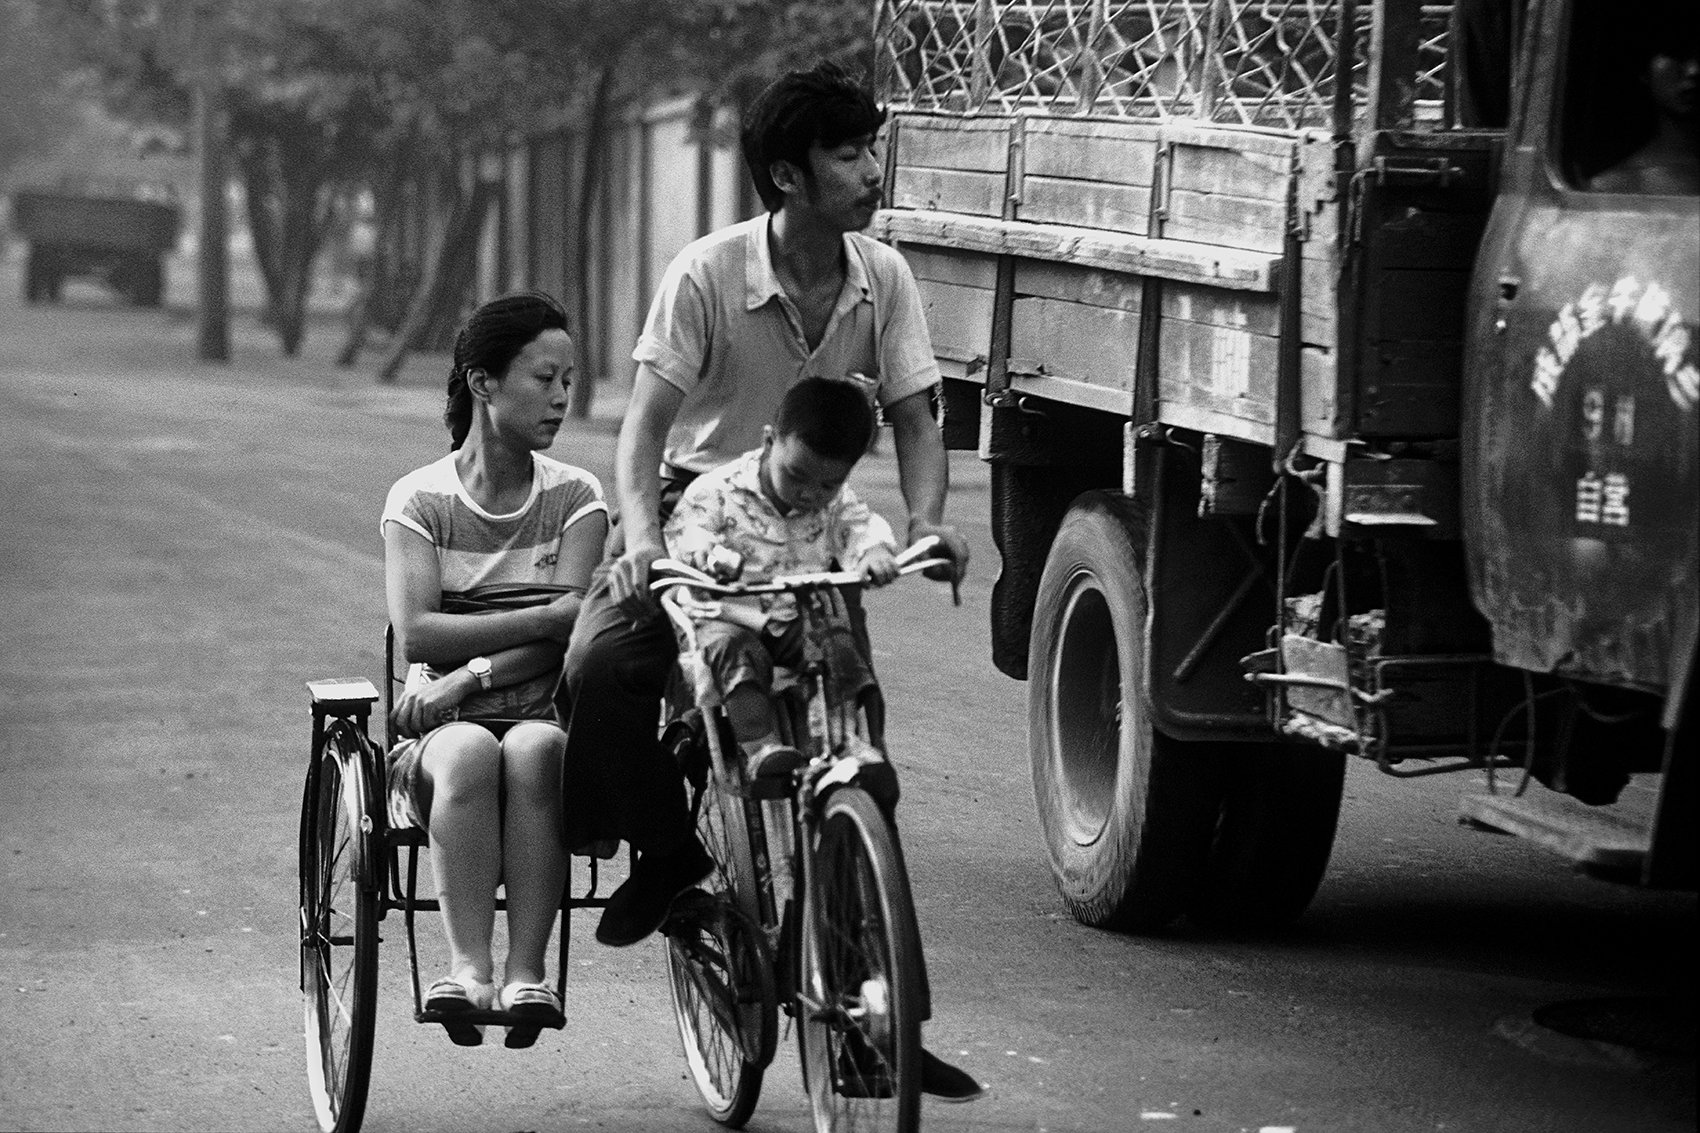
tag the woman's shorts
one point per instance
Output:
(408, 790)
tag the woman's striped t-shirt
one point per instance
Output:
(477, 550)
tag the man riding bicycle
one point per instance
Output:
(742, 315)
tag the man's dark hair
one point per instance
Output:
(824, 104)
(833, 418)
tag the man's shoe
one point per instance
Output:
(861, 1072)
(946, 1082)
(640, 904)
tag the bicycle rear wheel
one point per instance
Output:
(719, 966)
(860, 1004)
(339, 929)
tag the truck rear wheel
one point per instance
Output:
(41, 277)
(1276, 830)
(1128, 814)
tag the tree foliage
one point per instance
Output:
(34, 71)
(327, 97)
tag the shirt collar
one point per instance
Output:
(761, 282)
(746, 474)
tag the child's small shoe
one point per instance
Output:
(537, 1004)
(451, 996)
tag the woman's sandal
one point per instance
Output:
(530, 1001)
(451, 996)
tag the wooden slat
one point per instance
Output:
(954, 143)
(1203, 419)
(965, 269)
(1120, 153)
(949, 190)
(1318, 391)
(1097, 345)
(1240, 173)
(959, 319)
(1318, 283)
(1115, 251)
(1269, 141)
(1219, 218)
(1212, 306)
(1593, 836)
(1070, 392)
(1090, 204)
(1077, 285)
(1229, 370)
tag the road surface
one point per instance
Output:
(181, 546)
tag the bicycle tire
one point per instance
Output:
(339, 928)
(860, 1003)
(720, 976)
(720, 968)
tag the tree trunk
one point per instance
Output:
(581, 272)
(374, 293)
(292, 200)
(447, 272)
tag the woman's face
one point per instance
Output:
(529, 402)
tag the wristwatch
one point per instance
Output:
(480, 668)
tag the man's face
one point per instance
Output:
(1673, 80)
(842, 185)
(800, 478)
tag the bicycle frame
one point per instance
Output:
(835, 755)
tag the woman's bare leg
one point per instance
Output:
(536, 861)
(462, 762)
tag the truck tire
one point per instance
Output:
(1279, 809)
(40, 283)
(1128, 814)
(139, 279)
(149, 285)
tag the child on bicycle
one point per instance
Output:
(783, 509)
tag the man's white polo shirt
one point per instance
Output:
(724, 332)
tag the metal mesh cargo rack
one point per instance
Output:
(1269, 63)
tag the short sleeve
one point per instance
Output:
(404, 506)
(696, 520)
(907, 365)
(585, 499)
(674, 342)
(857, 529)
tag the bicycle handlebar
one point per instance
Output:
(909, 561)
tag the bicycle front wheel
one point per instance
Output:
(339, 930)
(860, 1003)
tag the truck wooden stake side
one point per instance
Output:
(1335, 366)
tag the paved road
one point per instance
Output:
(181, 546)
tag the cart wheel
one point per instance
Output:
(339, 928)
(719, 964)
(860, 1003)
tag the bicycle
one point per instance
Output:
(809, 908)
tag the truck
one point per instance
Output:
(1329, 411)
(116, 234)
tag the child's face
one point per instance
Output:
(801, 478)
